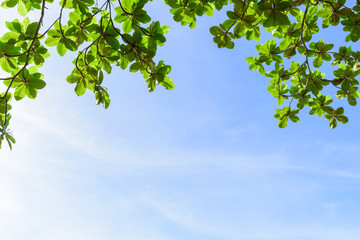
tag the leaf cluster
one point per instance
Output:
(119, 33)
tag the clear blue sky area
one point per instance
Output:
(205, 161)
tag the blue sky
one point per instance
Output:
(204, 161)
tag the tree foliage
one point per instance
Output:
(120, 33)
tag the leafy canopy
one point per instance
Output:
(120, 33)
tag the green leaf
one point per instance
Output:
(318, 61)
(73, 78)
(106, 99)
(333, 123)
(123, 63)
(167, 83)
(61, 48)
(135, 67)
(352, 100)
(52, 42)
(30, 92)
(127, 25)
(81, 87)
(342, 119)
(283, 122)
(69, 44)
(11, 138)
(113, 42)
(38, 84)
(22, 9)
(19, 92)
(216, 31)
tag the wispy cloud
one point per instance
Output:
(73, 176)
